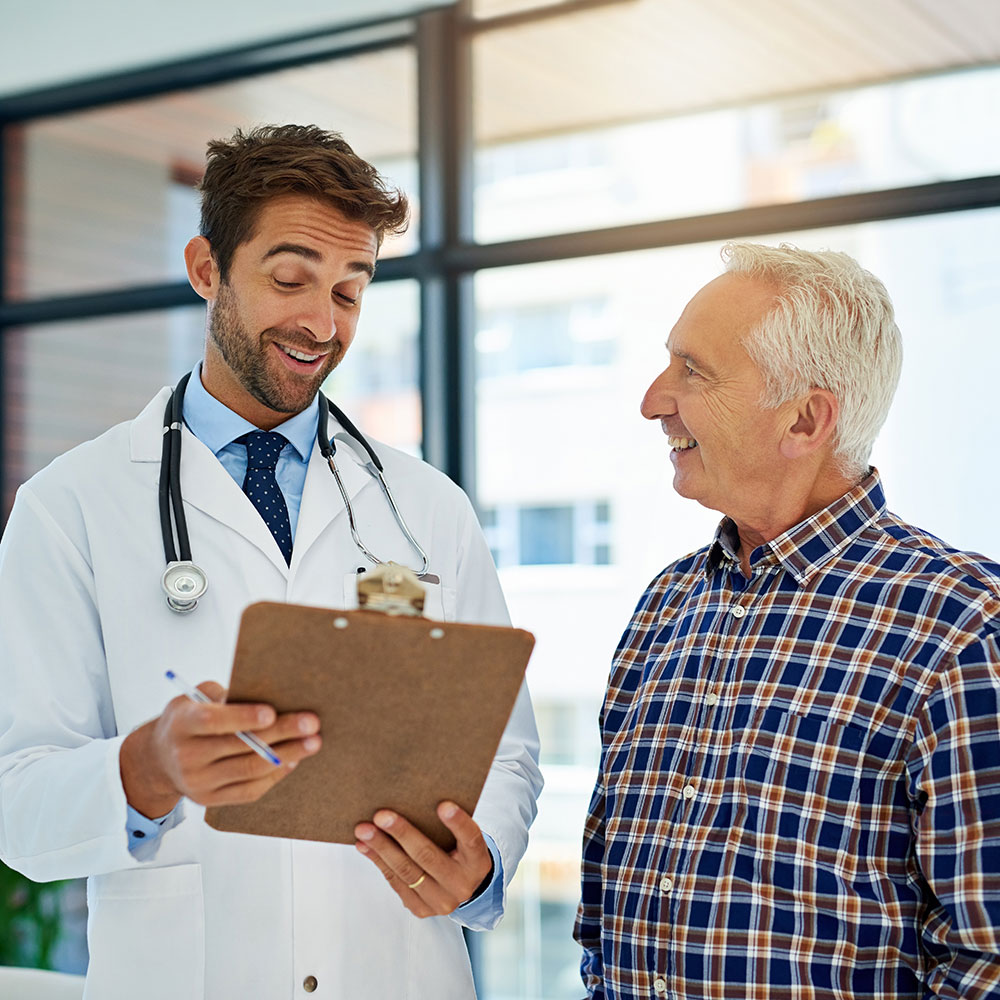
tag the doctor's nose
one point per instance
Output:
(318, 319)
(659, 399)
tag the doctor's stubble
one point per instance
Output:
(246, 356)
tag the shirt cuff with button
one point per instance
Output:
(482, 911)
(144, 833)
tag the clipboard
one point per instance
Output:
(411, 712)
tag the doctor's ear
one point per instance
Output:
(203, 273)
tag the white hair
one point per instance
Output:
(832, 327)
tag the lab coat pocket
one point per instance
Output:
(146, 931)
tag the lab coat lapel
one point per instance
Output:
(321, 499)
(205, 484)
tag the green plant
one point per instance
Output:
(30, 920)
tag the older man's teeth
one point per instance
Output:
(681, 443)
(298, 355)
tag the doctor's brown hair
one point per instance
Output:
(247, 171)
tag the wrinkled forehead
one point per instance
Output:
(721, 315)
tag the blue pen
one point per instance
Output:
(255, 744)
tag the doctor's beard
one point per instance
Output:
(249, 359)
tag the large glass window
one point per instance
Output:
(631, 129)
(106, 196)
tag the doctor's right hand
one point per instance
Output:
(192, 750)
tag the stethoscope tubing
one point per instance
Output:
(171, 502)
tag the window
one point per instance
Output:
(549, 534)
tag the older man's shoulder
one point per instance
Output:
(922, 555)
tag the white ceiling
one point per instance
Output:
(635, 59)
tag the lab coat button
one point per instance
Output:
(310, 983)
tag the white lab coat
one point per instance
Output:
(85, 638)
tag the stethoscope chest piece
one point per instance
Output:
(185, 584)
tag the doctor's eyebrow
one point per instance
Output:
(314, 256)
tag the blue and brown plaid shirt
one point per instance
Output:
(799, 794)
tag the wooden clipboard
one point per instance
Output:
(411, 712)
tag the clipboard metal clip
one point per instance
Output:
(391, 589)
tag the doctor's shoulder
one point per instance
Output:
(92, 469)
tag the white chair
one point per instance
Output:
(37, 984)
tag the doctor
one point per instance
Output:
(104, 773)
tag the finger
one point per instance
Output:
(215, 692)
(289, 726)
(203, 751)
(244, 776)
(390, 852)
(417, 847)
(468, 836)
(412, 898)
(205, 720)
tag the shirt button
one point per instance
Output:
(660, 985)
(711, 699)
(738, 610)
(310, 983)
(689, 791)
(666, 883)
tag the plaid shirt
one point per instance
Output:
(799, 794)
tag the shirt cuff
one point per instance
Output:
(483, 910)
(142, 831)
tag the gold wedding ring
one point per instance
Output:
(413, 885)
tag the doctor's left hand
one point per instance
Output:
(429, 881)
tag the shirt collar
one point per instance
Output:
(215, 425)
(811, 543)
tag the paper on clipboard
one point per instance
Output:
(411, 712)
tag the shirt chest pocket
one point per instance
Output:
(819, 791)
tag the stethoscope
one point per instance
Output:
(183, 581)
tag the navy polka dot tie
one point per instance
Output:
(263, 448)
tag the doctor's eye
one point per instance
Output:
(346, 299)
(288, 284)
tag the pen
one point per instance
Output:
(255, 744)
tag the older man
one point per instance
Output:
(799, 793)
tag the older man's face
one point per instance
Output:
(724, 444)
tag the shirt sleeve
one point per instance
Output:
(485, 909)
(587, 930)
(144, 833)
(954, 770)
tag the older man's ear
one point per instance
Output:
(814, 420)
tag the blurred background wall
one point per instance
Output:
(575, 167)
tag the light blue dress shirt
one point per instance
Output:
(216, 426)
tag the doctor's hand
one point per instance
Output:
(192, 750)
(429, 881)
